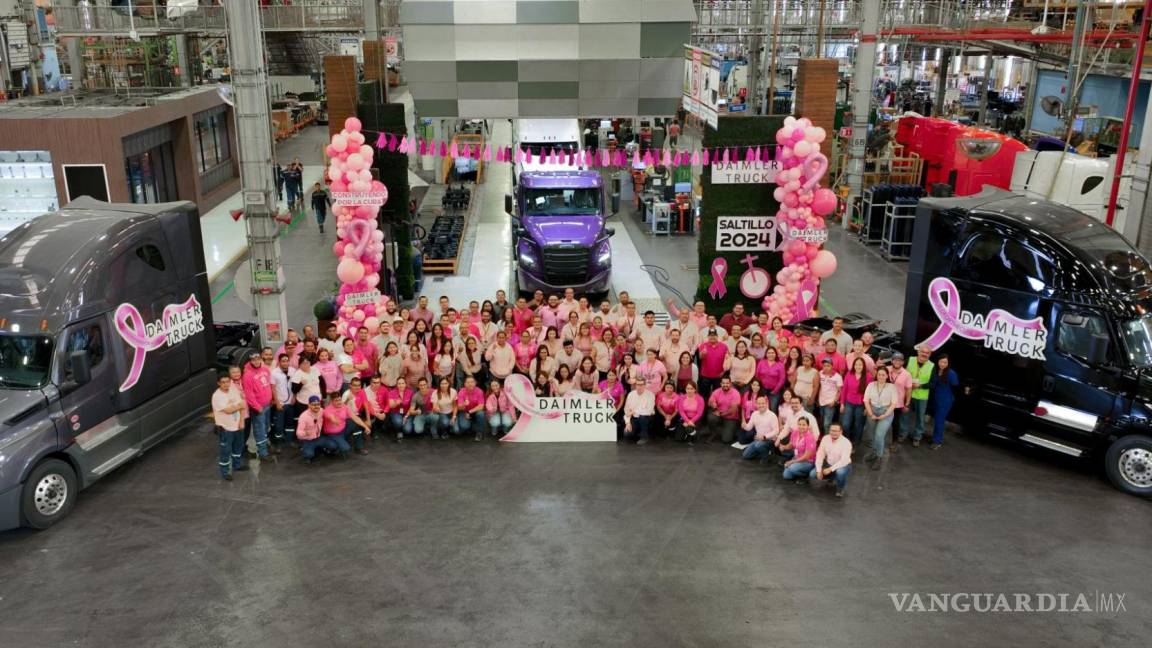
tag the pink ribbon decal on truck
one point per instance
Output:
(1000, 330)
(177, 323)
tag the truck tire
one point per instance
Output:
(1128, 463)
(49, 493)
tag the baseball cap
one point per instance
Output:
(253, 354)
(885, 356)
(313, 399)
(897, 356)
(827, 360)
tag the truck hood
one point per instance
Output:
(15, 404)
(563, 230)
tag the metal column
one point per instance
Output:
(182, 61)
(982, 118)
(861, 102)
(755, 52)
(254, 139)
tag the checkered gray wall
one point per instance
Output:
(545, 58)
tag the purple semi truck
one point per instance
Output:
(559, 237)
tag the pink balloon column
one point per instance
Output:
(360, 244)
(803, 206)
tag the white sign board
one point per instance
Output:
(744, 172)
(702, 83)
(575, 417)
(809, 235)
(747, 234)
(355, 198)
(361, 298)
(391, 50)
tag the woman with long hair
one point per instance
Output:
(691, 410)
(667, 409)
(778, 332)
(501, 412)
(543, 386)
(772, 376)
(602, 353)
(470, 362)
(743, 367)
(507, 323)
(807, 382)
(552, 341)
(420, 328)
(587, 377)
(525, 350)
(757, 347)
(444, 405)
(572, 328)
(793, 358)
(748, 400)
(583, 340)
(942, 392)
(329, 370)
(444, 363)
(613, 390)
(414, 366)
(880, 401)
(686, 372)
(437, 340)
(628, 371)
(390, 365)
(852, 400)
(543, 363)
(564, 381)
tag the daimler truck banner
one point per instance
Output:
(999, 329)
(177, 323)
(744, 172)
(577, 416)
(748, 234)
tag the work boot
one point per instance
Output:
(915, 443)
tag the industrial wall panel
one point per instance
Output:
(611, 11)
(550, 70)
(425, 12)
(546, 12)
(436, 108)
(479, 42)
(611, 70)
(430, 43)
(487, 90)
(430, 71)
(492, 71)
(662, 88)
(477, 108)
(548, 90)
(547, 41)
(608, 90)
(655, 107)
(610, 41)
(667, 11)
(549, 107)
(485, 12)
(658, 69)
(664, 39)
(433, 90)
(608, 107)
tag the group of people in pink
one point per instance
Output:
(741, 379)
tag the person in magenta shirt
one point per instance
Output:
(713, 357)
(256, 386)
(724, 411)
(522, 316)
(525, 351)
(652, 370)
(470, 403)
(336, 418)
(612, 389)
(771, 374)
(330, 371)
(667, 409)
(839, 364)
(852, 399)
(748, 401)
(691, 409)
(396, 402)
(800, 448)
(501, 412)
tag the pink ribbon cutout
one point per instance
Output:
(806, 298)
(945, 300)
(519, 391)
(814, 175)
(719, 269)
(130, 325)
(359, 233)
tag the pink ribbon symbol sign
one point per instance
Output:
(719, 269)
(806, 298)
(575, 417)
(177, 323)
(1000, 330)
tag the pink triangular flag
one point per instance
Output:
(403, 146)
(695, 157)
(667, 160)
(381, 140)
(706, 158)
(454, 150)
(423, 147)
(571, 158)
(518, 156)
(725, 158)
(487, 155)
(443, 149)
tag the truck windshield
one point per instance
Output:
(24, 361)
(1127, 269)
(562, 202)
(1138, 339)
(542, 148)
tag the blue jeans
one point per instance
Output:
(500, 423)
(466, 422)
(354, 435)
(879, 430)
(421, 421)
(259, 422)
(323, 442)
(400, 424)
(841, 476)
(758, 449)
(798, 470)
(914, 419)
(335, 442)
(231, 450)
(640, 426)
(939, 418)
(444, 424)
(277, 425)
(321, 216)
(853, 421)
(291, 188)
(828, 416)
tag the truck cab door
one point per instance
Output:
(97, 436)
(1081, 384)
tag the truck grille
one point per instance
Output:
(566, 265)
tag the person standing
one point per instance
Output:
(294, 182)
(282, 401)
(920, 369)
(257, 387)
(278, 176)
(639, 407)
(501, 357)
(834, 457)
(828, 399)
(942, 386)
(880, 399)
(852, 399)
(673, 133)
(227, 409)
(901, 379)
(320, 202)
(837, 333)
(714, 361)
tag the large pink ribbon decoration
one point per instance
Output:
(719, 269)
(944, 298)
(131, 327)
(360, 248)
(522, 396)
(806, 299)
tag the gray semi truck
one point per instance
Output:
(106, 347)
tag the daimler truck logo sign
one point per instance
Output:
(177, 323)
(999, 329)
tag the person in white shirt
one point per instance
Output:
(331, 341)
(763, 427)
(647, 330)
(639, 407)
(689, 332)
(281, 397)
(570, 356)
(737, 335)
(670, 351)
(346, 363)
(843, 340)
(393, 332)
(834, 457)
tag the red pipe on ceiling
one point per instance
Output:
(1133, 87)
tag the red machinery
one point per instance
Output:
(962, 156)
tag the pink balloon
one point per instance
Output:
(811, 254)
(338, 186)
(339, 142)
(823, 264)
(350, 270)
(796, 248)
(824, 201)
(353, 124)
(373, 324)
(338, 248)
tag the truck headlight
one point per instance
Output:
(604, 255)
(527, 256)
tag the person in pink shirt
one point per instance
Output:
(901, 379)
(612, 389)
(652, 371)
(762, 428)
(525, 351)
(568, 305)
(365, 357)
(748, 405)
(771, 374)
(852, 399)
(292, 347)
(358, 403)
(337, 417)
(395, 403)
(501, 412)
(713, 363)
(833, 457)
(830, 384)
(667, 409)
(522, 316)
(724, 411)
(777, 332)
(800, 449)
(691, 409)
(501, 357)
(550, 313)
(839, 364)
(859, 352)
(421, 312)
(470, 404)
(256, 384)
(329, 370)
(698, 316)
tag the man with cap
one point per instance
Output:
(713, 358)
(308, 429)
(257, 387)
(901, 379)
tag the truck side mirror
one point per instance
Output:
(508, 204)
(1098, 350)
(615, 203)
(610, 232)
(81, 365)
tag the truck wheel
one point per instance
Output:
(49, 493)
(1129, 464)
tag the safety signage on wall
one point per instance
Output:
(702, 83)
(744, 172)
(391, 50)
(748, 234)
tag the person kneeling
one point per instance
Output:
(802, 444)
(639, 407)
(764, 426)
(309, 429)
(336, 418)
(834, 457)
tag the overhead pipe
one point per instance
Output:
(1133, 87)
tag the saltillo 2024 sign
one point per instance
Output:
(574, 417)
(748, 234)
(1000, 330)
